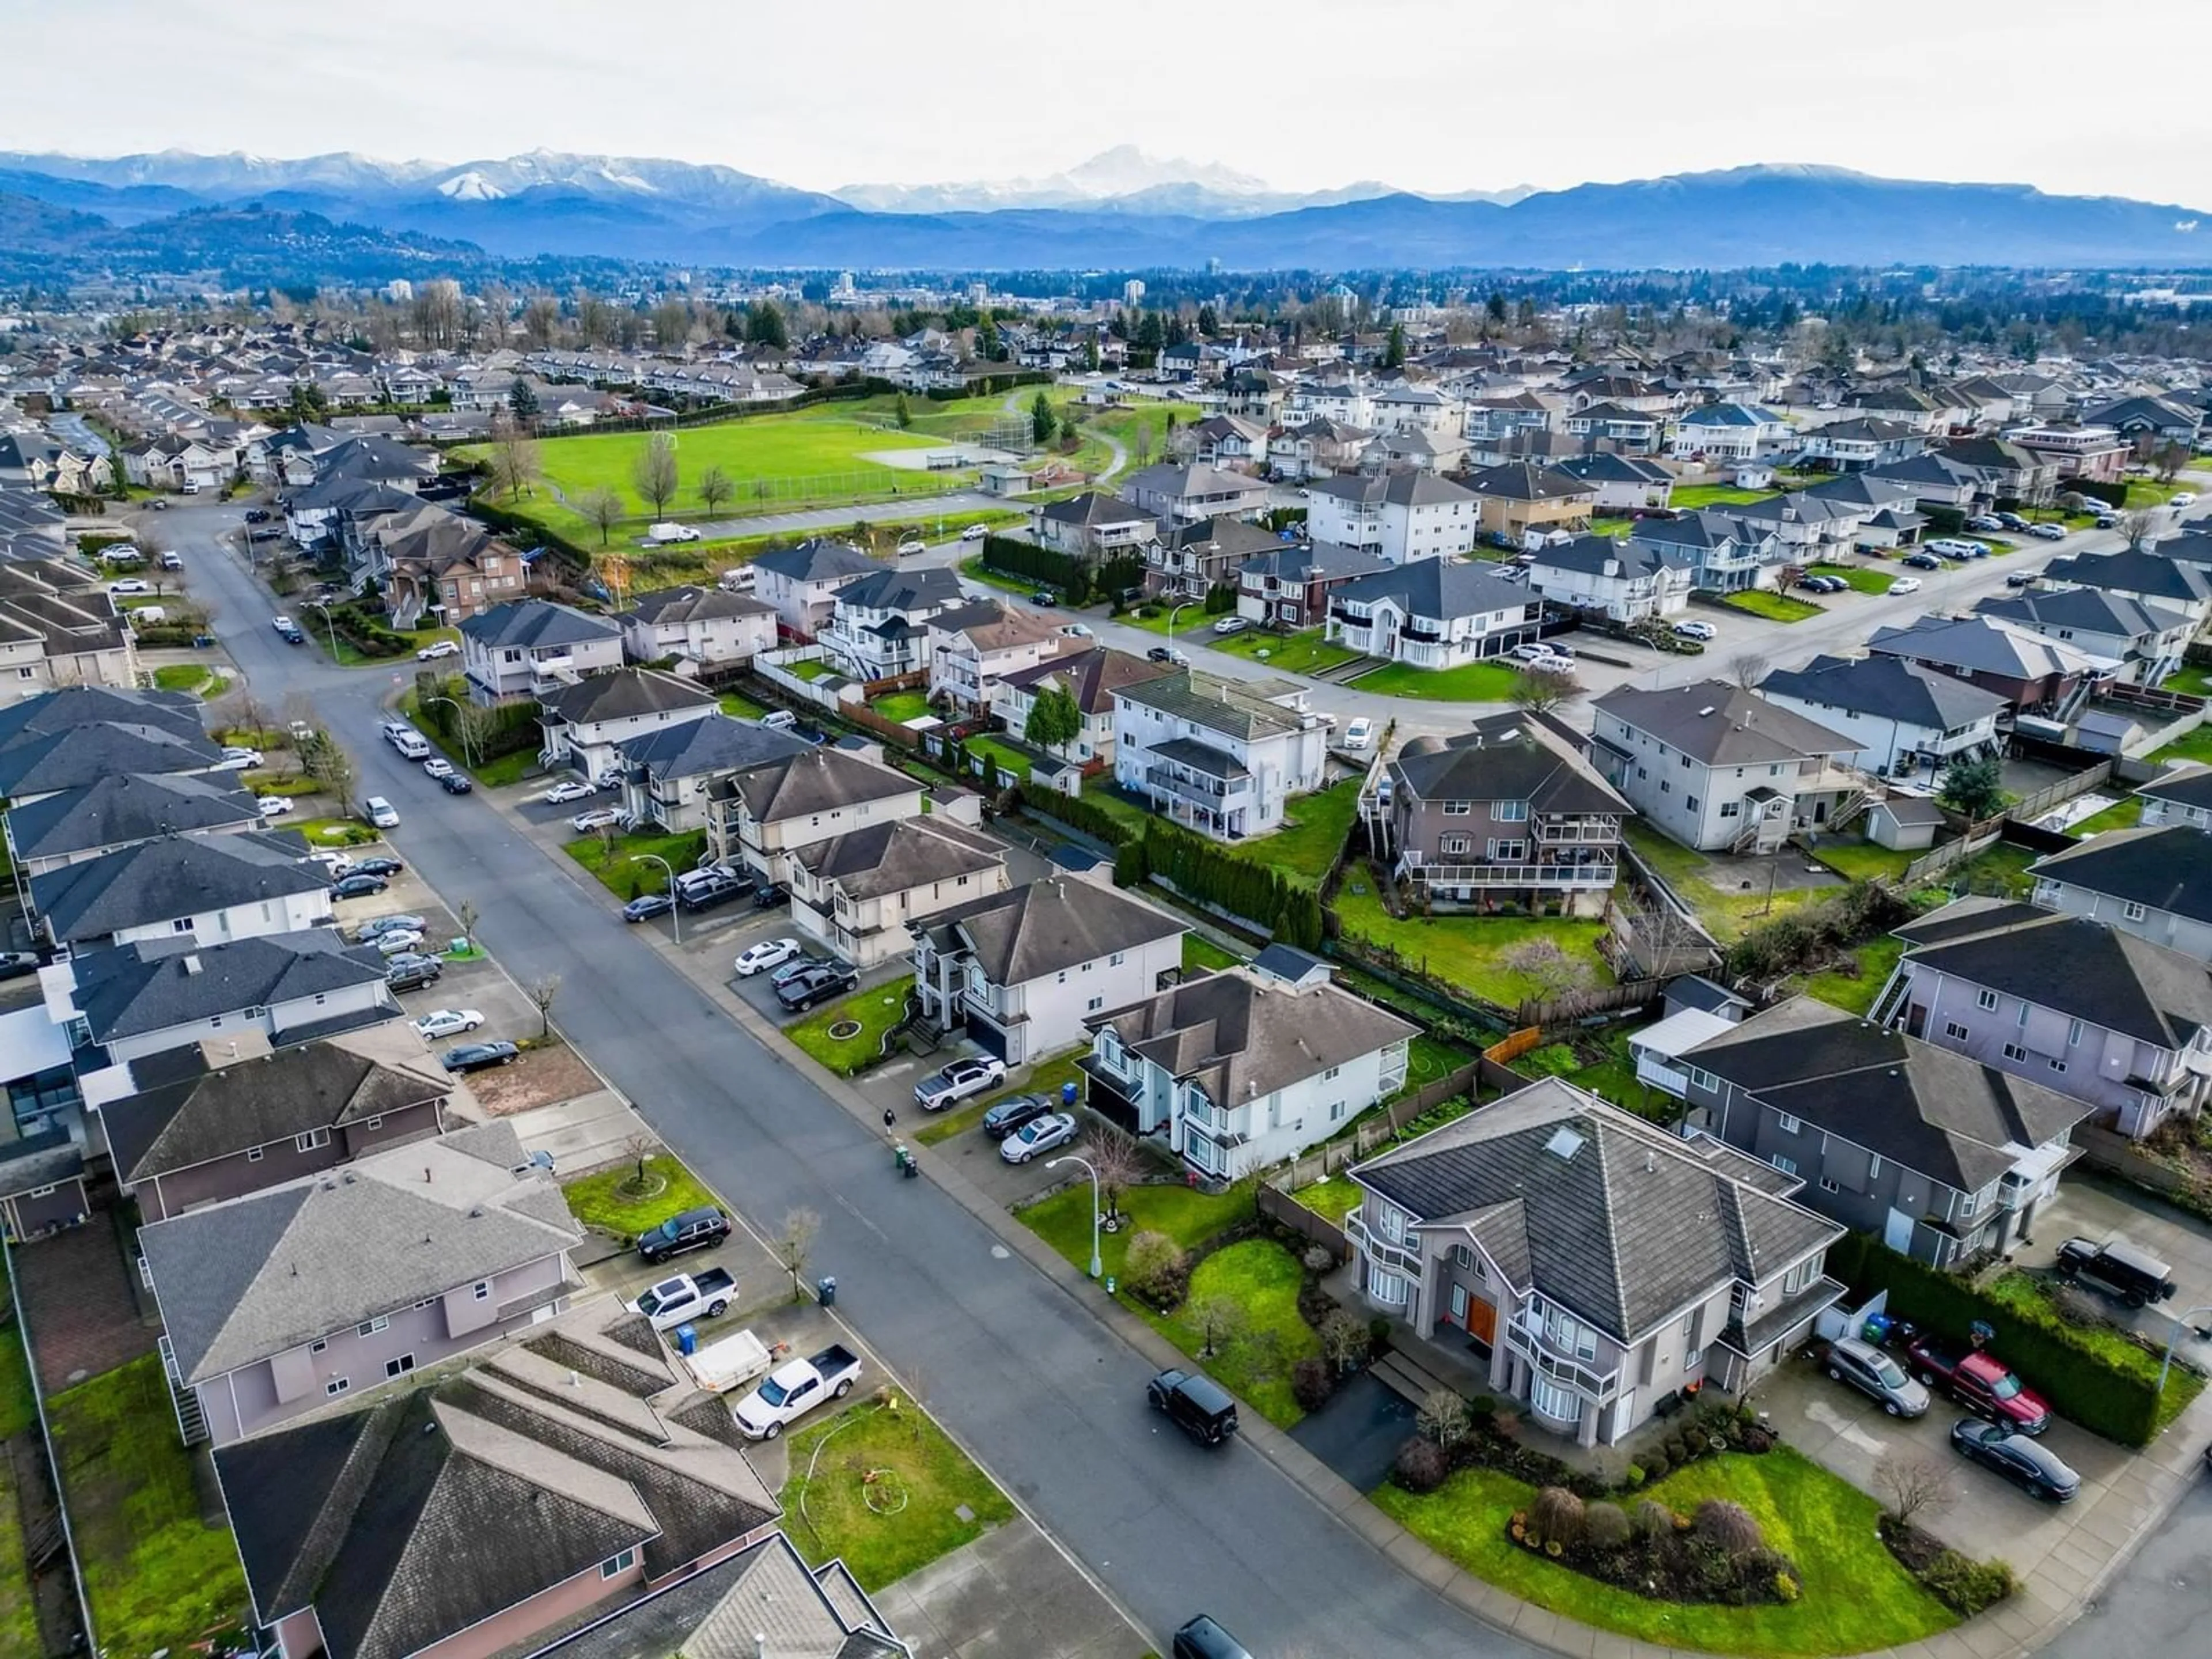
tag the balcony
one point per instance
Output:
(1201, 791)
(1526, 1337)
(1404, 1258)
(1604, 827)
(1575, 877)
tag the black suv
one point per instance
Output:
(1195, 1403)
(804, 990)
(703, 892)
(2124, 1272)
(691, 1229)
(413, 974)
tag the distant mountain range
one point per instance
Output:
(1120, 211)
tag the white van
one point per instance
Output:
(664, 534)
(412, 744)
(779, 720)
(743, 579)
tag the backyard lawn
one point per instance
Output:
(158, 1577)
(1775, 607)
(1856, 1597)
(1876, 960)
(1861, 860)
(1320, 825)
(2125, 814)
(875, 1012)
(1726, 915)
(1198, 952)
(611, 861)
(1045, 1079)
(740, 707)
(2194, 747)
(613, 1202)
(1269, 1336)
(2001, 869)
(887, 1493)
(1470, 952)
(1334, 1196)
(1691, 496)
(1294, 653)
(902, 705)
(1477, 682)
(19, 1620)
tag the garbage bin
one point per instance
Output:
(687, 1339)
(1067, 1096)
(825, 1291)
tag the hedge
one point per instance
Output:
(2060, 1361)
(1078, 579)
(515, 726)
(2096, 489)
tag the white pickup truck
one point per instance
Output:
(793, 1389)
(730, 1364)
(682, 1298)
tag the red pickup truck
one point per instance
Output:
(1980, 1381)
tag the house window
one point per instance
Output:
(1690, 801)
(2072, 1033)
(1391, 1224)
(1985, 998)
(1802, 1276)
(255, 1154)
(615, 1566)
(1116, 959)
(370, 1328)
(2058, 1064)
(373, 1123)
(1705, 1080)
(1094, 1005)
(1508, 852)
(1953, 1031)
(1787, 1165)
(1828, 1185)
(181, 925)
(2132, 911)
(481, 1290)
(1458, 809)
(1389, 1289)
(1874, 1168)
(2014, 1051)
(317, 1346)
(1462, 1256)
(1512, 811)
(1787, 1124)
(400, 1366)
(311, 1140)
(336, 1385)
(1561, 1404)
(1458, 844)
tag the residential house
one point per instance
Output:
(268, 1311)
(1316, 449)
(59, 627)
(973, 648)
(2156, 883)
(2180, 794)
(1182, 493)
(801, 584)
(1723, 550)
(1520, 496)
(861, 894)
(1715, 766)
(316, 518)
(587, 724)
(1287, 587)
(1504, 813)
(1859, 443)
(437, 563)
(1090, 678)
(2173, 586)
(2036, 675)
(1626, 431)
(1599, 1266)
(1224, 758)
(880, 630)
(42, 1186)
(1237, 1070)
(1404, 406)
(37, 765)
(1904, 405)
(1906, 719)
(1189, 560)
(1414, 449)
(1626, 581)
(1093, 526)
(1942, 1158)
(1023, 969)
(1624, 484)
(2155, 419)
(761, 815)
(2004, 471)
(209, 888)
(199, 1127)
(2147, 641)
(2095, 452)
(1228, 442)
(71, 826)
(1433, 613)
(2120, 1025)
(1395, 517)
(668, 774)
(530, 647)
(705, 628)
(1348, 401)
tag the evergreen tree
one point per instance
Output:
(523, 401)
(1209, 324)
(764, 326)
(1041, 419)
(1393, 353)
(1055, 720)
(902, 413)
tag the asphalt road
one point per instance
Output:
(2157, 1603)
(1050, 1400)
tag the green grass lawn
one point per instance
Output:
(740, 707)
(876, 1011)
(1876, 960)
(1861, 860)
(813, 668)
(156, 1575)
(1183, 1213)
(181, 677)
(289, 785)
(1862, 580)
(1469, 952)
(1262, 1278)
(902, 705)
(1430, 1059)
(1294, 653)
(2120, 815)
(870, 1458)
(1334, 1196)
(1001, 755)
(1131, 815)
(611, 1201)
(610, 862)
(977, 571)
(1691, 496)
(1999, 870)
(1198, 952)
(1775, 607)
(505, 769)
(2189, 678)
(1726, 914)
(1319, 823)
(1856, 1596)
(345, 831)
(1045, 1079)
(1474, 682)
(2192, 746)
(2144, 493)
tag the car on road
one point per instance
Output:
(358, 885)
(236, 759)
(1011, 1113)
(283, 624)
(1360, 733)
(2048, 532)
(767, 954)
(377, 863)
(436, 767)
(1038, 1135)
(1877, 1375)
(912, 546)
(273, 806)
(1165, 654)
(480, 1056)
(436, 649)
(1979, 1381)
(1077, 631)
(1905, 585)
(13, 964)
(257, 515)
(160, 504)
(2028, 1464)
(1231, 625)
(1922, 562)
(410, 972)
(958, 1081)
(562, 793)
(1695, 630)
(1045, 596)
(817, 983)
(448, 1022)
(397, 940)
(1197, 1405)
(2021, 579)
(974, 532)
(128, 585)
(645, 906)
(597, 818)
(2182, 498)
(381, 813)
(456, 783)
(1950, 547)
(1986, 522)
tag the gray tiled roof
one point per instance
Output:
(1601, 555)
(1521, 481)
(2168, 867)
(169, 877)
(1233, 709)
(905, 854)
(1723, 725)
(888, 588)
(1049, 925)
(1505, 757)
(136, 989)
(1406, 489)
(1091, 676)
(83, 754)
(527, 623)
(132, 806)
(716, 744)
(817, 560)
(816, 779)
(677, 604)
(2188, 785)
(1984, 645)
(175, 712)
(624, 694)
(1887, 688)
(1442, 589)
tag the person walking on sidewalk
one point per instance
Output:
(890, 1120)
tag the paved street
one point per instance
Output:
(2156, 1606)
(1049, 1399)
(951, 509)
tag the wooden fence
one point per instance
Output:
(1932, 864)
(1278, 1206)
(2028, 808)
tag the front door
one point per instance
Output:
(1897, 1233)
(1482, 1321)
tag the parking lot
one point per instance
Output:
(474, 983)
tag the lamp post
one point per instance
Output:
(1098, 1267)
(1172, 615)
(460, 727)
(329, 621)
(2180, 1323)
(675, 915)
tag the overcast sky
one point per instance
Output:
(1435, 95)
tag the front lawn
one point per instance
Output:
(1184, 1213)
(1046, 1080)
(1856, 1596)
(1294, 654)
(1469, 952)
(1320, 825)
(1775, 607)
(902, 705)
(1261, 1278)
(333, 831)
(886, 1493)
(875, 1012)
(613, 1202)
(157, 1576)
(504, 770)
(182, 676)
(1474, 682)
(610, 862)
(2144, 494)
(1862, 581)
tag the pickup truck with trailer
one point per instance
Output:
(682, 1297)
(729, 1363)
(1980, 1381)
(794, 1389)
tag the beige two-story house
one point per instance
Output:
(759, 817)
(861, 894)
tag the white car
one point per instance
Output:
(561, 793)
(597, 818)
(911, 546)
(1231, 625)
(1694, 630)
(1359, 733)
(283, 624)
(768, 953)
(132, 585)
(958, 1081)
(1905, 585)
(392, 941)
(238, 759)
(448, 1022)
(437, 767)
(273, 806)
(2185, 498)
(436, 649)
(975, 532)
(381, 813)
(1530, 652)
(1077, 631)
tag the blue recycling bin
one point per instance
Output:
(825, 1290)
(1067, 1096)
(687, 1339)
(1876, 1328)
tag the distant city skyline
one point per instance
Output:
(1421, 95)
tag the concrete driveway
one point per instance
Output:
(2094, 1207)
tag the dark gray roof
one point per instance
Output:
(1091, 677)
(44, 1159)
(903, 855)
(1303, 561)
(1945, 1116)
(815, 779)
(1402, 489)
(526, 623)
(136, 989)
(1442, 589)
(1505, 757)
(1705, 528)
(1522, 481)
(1607, 468)
(39, 764)
(2187, 785)
(1615, 1218)
(175, 712)
(625, 694)
(676, 604)
(1983, 644)
(817, 560)
(1886, 688)
(2082, 611)
(1049, 925)
(929, 589)
(1093, 507)
(1601, 555)
(2166, 868)
(119, 809)
(716, 744)
(169, 877)
(1724, 724)
(2128, 572)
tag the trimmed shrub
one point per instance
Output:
(1557, 1516)
(1729, 1527)
(1656, 1463)
(1312, 1382)
(1157, 1269)
(1421, 1466)
(1966, 1586)
(1653, 1519)
(1605, 1526)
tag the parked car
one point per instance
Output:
(456, 783)
(436, 649)
(381, 813)
(1874, 1373)
(273, 806)
(958, 1081)
(437, 767)
(238, 759)
(2009, 521)
(686, 1298)
(2048, 532)
(448, 1022)
(1011, 1113)
(2029, 1465)
(2021, 579)
(377, 863)
(1986, 522)
(1360, 733)
(409, 972)
(1231, 625)
(480, 1056)
(257, 515)
(13, 964)
(1195, 1403)
(1979, 1381)
(1165, 654)
(1077, 631)
(394, 924)
(974, 532)
(571, 789)
(597, 818)
(2182, 498)
(798, 965)
(398, 939)
(358, 885)
(2126, 1271)
(1038, 1135)
(816, 984)
(127, 587)
(1532, 652)
(768, 953)
(1045, 596)
(686, 1230)
(1922, 562)
(697, 891)
(645, 906)
(1695, 630)
(911, 546)
(767, 897)
(1905, 585)
(791, 1390)
(282, 624)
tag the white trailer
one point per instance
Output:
(732, 1363)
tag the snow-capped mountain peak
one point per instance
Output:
(470, 186)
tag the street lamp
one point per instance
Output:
(675, 915)
(460, 727)
(2180, 1323)
(1172, 615)
(1097, 1267)
(317, 605)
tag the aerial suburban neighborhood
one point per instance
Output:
(1111, 914)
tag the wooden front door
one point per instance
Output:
(1482, 1320)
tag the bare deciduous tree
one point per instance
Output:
(542, 992)
(1120, 1162)
(795, 1243)
(1219, 1320)
(514, 462)
(1547, 967)
(1915, 1484)
(323, 758)
(716, 488)
(1345, 1339)
(638, 1149)
(1442, 1418)
(1540, 694)
(1747, 668)
(467, 914)
(2137, 527)
(653, 472)
(602, 510)
(474, 723)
